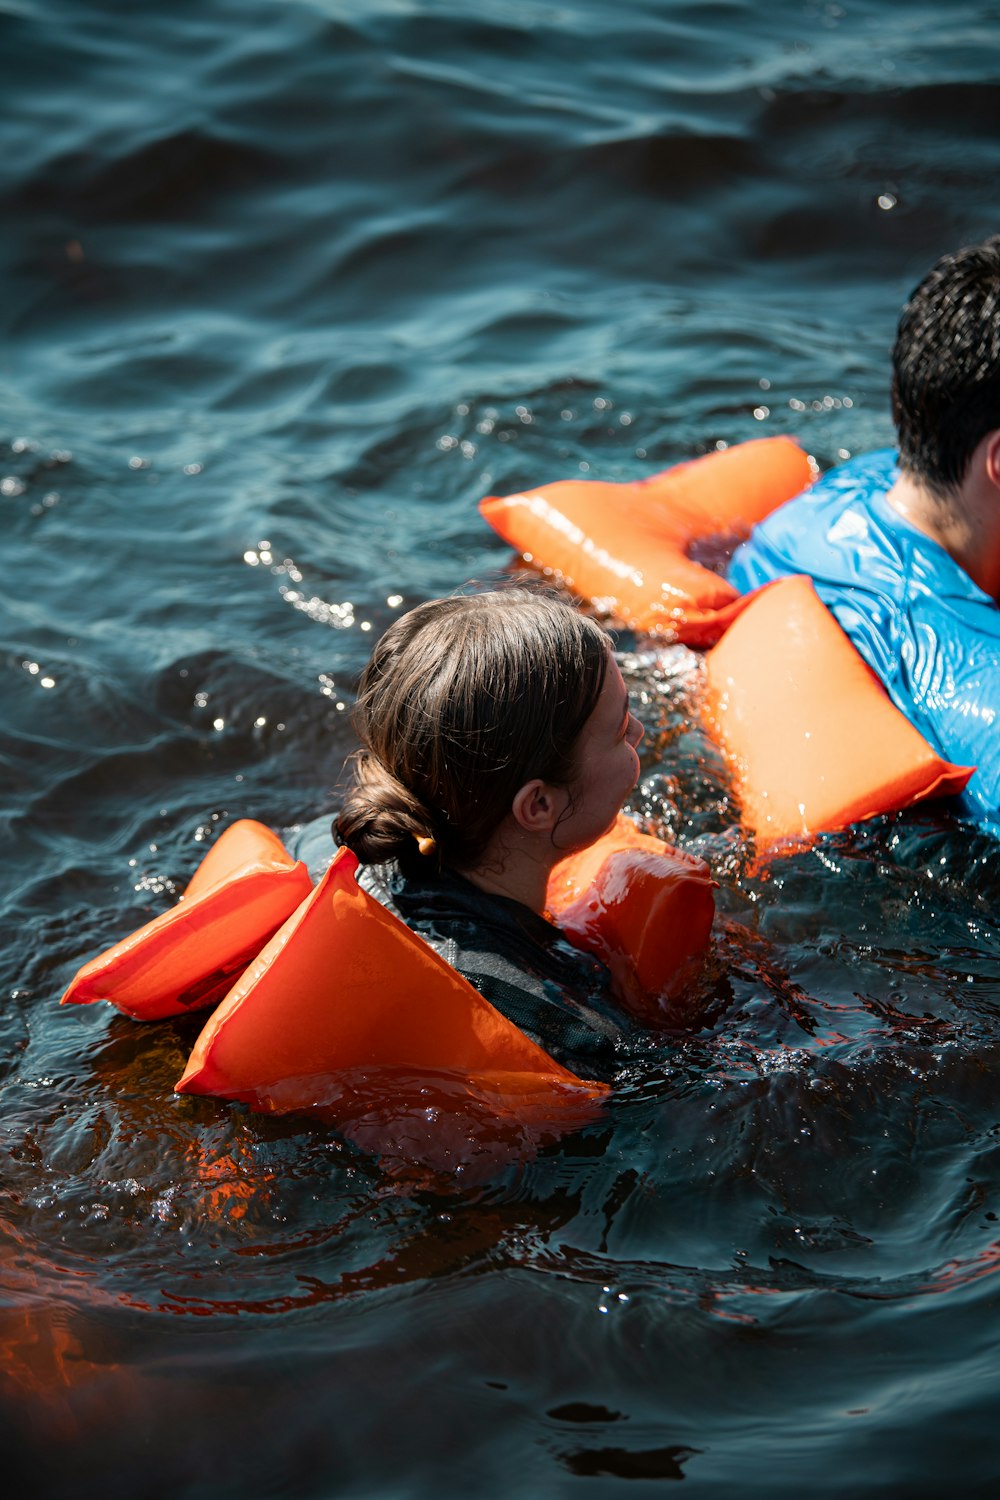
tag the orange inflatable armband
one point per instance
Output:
(346, 988)
(644, 908)
(624, 546)
(188, 957)
(812, 737)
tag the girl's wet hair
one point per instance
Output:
(463, 702)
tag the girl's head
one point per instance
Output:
(464, 702)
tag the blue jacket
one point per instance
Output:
(917, 618)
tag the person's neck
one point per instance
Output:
(966, 525)
(520, 873)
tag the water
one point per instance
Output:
(286, 289)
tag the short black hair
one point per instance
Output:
(946, 367)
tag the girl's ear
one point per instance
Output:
(538, 806)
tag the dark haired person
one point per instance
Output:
(495, 738)
(906, 551)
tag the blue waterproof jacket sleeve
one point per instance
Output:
(928, 631)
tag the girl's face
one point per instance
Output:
(607, 766)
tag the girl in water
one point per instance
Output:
(496, 737)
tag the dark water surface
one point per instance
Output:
(286, 287)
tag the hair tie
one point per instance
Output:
(425, 843)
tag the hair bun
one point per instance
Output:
(381, 818)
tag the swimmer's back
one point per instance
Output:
(516, 959)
